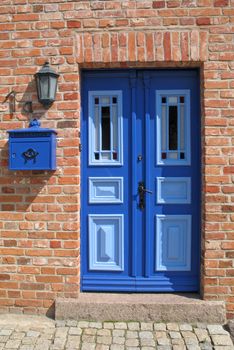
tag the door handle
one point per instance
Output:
(142, 190)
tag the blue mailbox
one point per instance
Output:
(33, 148)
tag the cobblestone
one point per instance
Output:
(221, 340)
(160, 326)
(186, 327)
(134, 326)
(216, 329)
(84, 335)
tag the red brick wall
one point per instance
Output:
(39, 218)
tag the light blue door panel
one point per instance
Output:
(173, 242)
(105, 190)
(173, 190)
(106, 245)
(140, 127)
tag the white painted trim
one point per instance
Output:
(187, 161)
(92, 160)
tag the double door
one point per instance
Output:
(140, 208)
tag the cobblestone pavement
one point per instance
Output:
(40, 333)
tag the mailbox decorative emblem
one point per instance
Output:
(30, 154)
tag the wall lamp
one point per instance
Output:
(46, 83)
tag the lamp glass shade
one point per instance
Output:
(52, 87)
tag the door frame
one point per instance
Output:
(146, 80)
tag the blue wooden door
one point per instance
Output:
(140, 175)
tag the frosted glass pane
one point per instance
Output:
(44, 86)
(53, 83)
(164, 128)
(106, 155)
(182, 127)
(115, 127)
(172, 99)
(96, 127)
(105, 100)
(173, 155)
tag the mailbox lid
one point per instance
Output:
(32, 154)
(31, 132)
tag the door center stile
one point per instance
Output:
(147, 156)
(134, 170)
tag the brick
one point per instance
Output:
(159, 4)
(122, 39)
(73, 24)
(220, 3)
(203, 21)
(131, 46)
(184, 46)
(150, 47)
(167, 46)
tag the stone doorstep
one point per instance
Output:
(183, 308)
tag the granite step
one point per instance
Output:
(141, 307)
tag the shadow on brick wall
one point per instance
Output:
(23, 191)
(29, 105)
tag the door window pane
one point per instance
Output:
(173, 128)
(106, 128)
(172, 99)
(105, 100)
(115, 127)
(105, 136)
(182, 127)
(164, 128)
(106, 155)
(96, 126)
(173, 125)
(173, 155)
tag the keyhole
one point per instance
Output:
(139, 158)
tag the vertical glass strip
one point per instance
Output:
(111, 131)
(178, 128)
(164, 128)
(173, 128)
(182, 129)
(96, 128)
(105, 122)
(115, 127)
